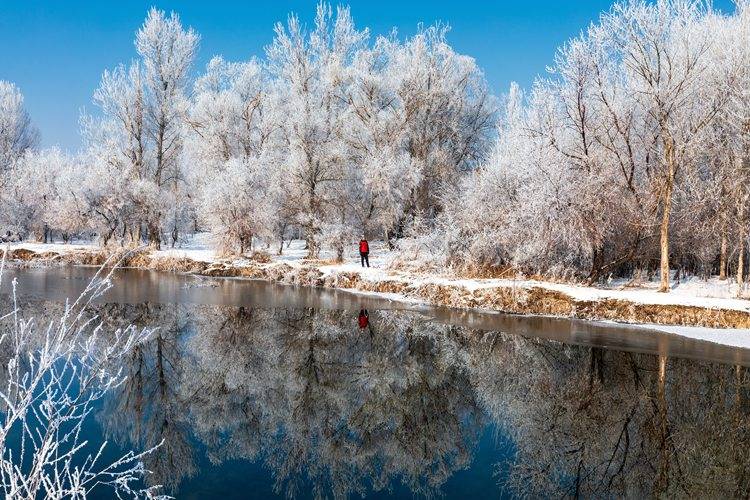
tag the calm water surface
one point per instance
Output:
(261, 390)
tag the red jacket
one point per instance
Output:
(364, 247)
(363, 320)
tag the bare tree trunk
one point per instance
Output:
(154, 235)
(312, 247)
(723, 254)
(741, 262)
(664, 240)
(339, 253)
(666, 212)
(387, 238)
(106, 237)
(310, 242)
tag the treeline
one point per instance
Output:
(329, 135)
(631, 154)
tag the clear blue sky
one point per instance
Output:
(56, 50)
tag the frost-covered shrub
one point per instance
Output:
(53, 375)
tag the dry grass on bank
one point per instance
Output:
(503, 296)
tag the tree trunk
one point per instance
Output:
(723, 254)
(387, 238)
(664, 242)
(312, 247)
(741, 263)
(666, 212)
(340, 253)
(154, 235)
(106, 237)
(311, 244)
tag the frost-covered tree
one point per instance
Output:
(167, 51)
(139, 136)
(31, 191)
(664, 48)
(17, 133)
(310, 72)
(234, 145)
(235, 205)
(448, 114)
(731, 131)
(382, 178)
(623, 155)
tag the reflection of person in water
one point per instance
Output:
(364, 318)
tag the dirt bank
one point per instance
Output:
(526, 299)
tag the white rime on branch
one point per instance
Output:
(52, 378)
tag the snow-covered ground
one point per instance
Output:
(712, 294)
(734, 337)
(198, 248)
(51, 247)
(692, 291)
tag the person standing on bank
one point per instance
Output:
(364, 252)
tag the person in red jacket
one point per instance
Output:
(364, 252)
(363, 319)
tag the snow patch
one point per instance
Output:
(734, 337)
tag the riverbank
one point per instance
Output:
(692, 303)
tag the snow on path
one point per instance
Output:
(198, 248)
(641, 295)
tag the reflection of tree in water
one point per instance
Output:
(325, 404)
(148, 410)
(377, 407)
(320, 401)
(589, 422)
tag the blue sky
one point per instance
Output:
(56, 50)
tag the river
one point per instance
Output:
(261, 390)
